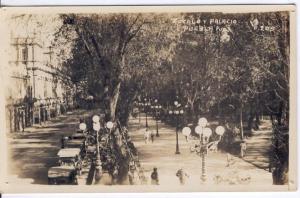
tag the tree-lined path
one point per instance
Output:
(161, 154)
(259, 145)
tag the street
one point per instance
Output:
(34, 151)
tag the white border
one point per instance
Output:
(157, 2)
(138, 2)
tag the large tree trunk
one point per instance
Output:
(191, 114)
(113, 102)
(241, 121)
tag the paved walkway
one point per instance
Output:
(161, 154)
(258, 146)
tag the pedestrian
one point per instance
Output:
(146, 136)
(182, 175)
(131, 176)
(152, 136)
(115, 175)
(230, 160)
(62, 142)
(154, 177)
(243, 147)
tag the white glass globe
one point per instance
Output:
(186, 131)
(220, 130)
(170, 112)
(202, 122)
(96, 118)
(96, 126)
(207, 132)
(109, 125)
(82, 126)
(175, 103)
(181, 111)
(199, 130)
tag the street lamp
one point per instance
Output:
(175, 103)
(96, 118)
(97, 127)
(176, 112)
(157, 109)
(202, 122)
(109, 125)
(220, 131)
(82, 127)
(203, 132)
(204, 135)
(205, 139)
(147, 105)
(139, 112)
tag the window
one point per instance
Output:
(24, 55)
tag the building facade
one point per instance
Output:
(37, 89)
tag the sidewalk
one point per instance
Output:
(34, 151)
(161, 154)
(259, 146)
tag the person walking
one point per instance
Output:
(62, 140)
(154, 177)
(152, 136)
(131, 176)
(147, 135)
(182, 175)
(243, 147)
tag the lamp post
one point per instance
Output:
(157, 109)
(204, 135)
(202, 122)
(109, 125)
(139, 112)
(176, 112)
(96, 127)
(146, 106)
(205, 139)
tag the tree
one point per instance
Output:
(117, 52)
(105, 39)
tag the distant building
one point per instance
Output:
(37, 89)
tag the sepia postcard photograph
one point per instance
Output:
(148, 99)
